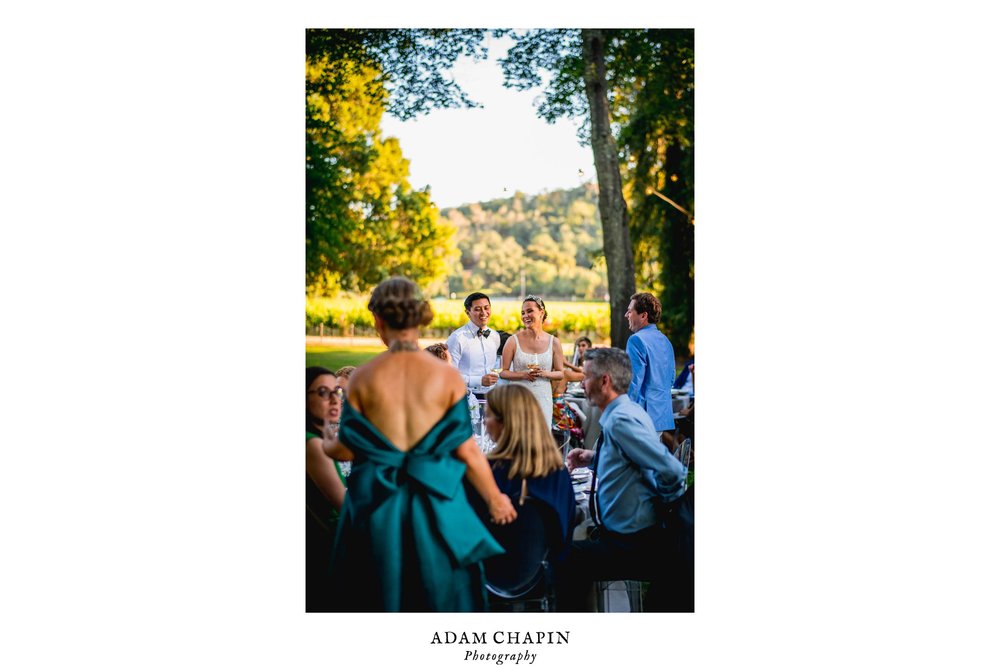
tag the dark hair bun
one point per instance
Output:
(398, 301)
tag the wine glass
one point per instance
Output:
(330, 430)
(564, 447)
(485, 441)
(532, 364)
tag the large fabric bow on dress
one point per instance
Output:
(411, 506)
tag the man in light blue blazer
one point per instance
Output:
(652, 358)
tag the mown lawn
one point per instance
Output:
(335, 357)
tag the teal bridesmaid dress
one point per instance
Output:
(408, 540)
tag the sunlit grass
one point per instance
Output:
(335, 357)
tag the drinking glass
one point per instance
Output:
(565, 443)
(330, 430)
(532, 363)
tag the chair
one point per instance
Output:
(683, 452)
(624, 595)
(521, 577)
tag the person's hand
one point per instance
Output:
(668, 439)
(579, 458)
(501, 509)
(488, 380)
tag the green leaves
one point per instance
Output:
(364, 222)
(411, 62)
(654, 90)
(556, 52)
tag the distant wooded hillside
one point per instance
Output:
(550, 243)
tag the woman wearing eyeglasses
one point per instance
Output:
(408, 539)
(325, 483)
(532, 357)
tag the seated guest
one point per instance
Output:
(526, 462)
(439, 350)
(581, 346)
(685, 379)
(567, 420)
(635, 479)
(575, 374)
(325, 483)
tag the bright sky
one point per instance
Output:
(469, 155)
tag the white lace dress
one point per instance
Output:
(541, 388)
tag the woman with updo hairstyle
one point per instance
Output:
(397, 301)
(526, 461)
(532, 357)
(408, 539)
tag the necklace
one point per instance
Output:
(403, 346)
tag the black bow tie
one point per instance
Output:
(485, 333)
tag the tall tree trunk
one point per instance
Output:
(611, 202)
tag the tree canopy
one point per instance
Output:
(409, 64)
(364, 221)
(653, 95)
(650, 97)
(552, 239)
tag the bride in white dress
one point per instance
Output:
(532, 357)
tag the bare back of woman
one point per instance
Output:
(404, 394)
(408, 539)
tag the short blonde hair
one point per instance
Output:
(526, 440)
